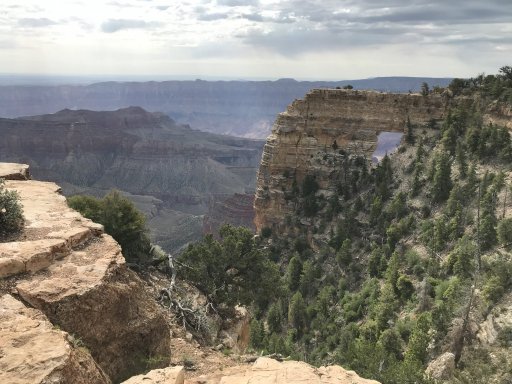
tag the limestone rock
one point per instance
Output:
(174, 375)
(316, 128)
(14, 171)
(442, 368)
(269, 371)
(77, 277)
(33, 351)
(499, 319)
(92, 294)
(237, 332)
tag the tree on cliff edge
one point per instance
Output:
(125, 223)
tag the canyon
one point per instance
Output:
(173, 173)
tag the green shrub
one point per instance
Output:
(125, 223)
(505, 231)
(11, 212)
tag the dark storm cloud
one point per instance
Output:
(320, 25)
(36, 22)
(114, 25)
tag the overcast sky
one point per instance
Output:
(304, 39)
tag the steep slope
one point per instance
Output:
(402, 269)
(169, 170)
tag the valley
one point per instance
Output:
(172, 172)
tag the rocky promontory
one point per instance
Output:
(71, 311)
(323, 123)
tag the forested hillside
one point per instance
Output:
(407, 266)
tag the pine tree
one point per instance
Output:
(442, 182)
(409, 135)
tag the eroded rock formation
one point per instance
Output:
(72, 275)
(322, 124)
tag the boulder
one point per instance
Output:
(32, 350)
(442, 367)
(171, 375)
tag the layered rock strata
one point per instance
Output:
(322, 124)
(67, 270)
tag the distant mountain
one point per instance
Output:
(240, 108)
(173, 173)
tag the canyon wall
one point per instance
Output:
(309, 135)
(168, 170)
(71, 311)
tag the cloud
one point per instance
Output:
(114, 25)
(258, 17)
(238, 3)
(36, 22)
(213, 16)
(162, 7)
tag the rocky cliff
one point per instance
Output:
(315, 132)
(71, 311)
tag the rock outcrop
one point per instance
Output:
(269, 371)
(67, 270)
(442, 368)
(322, 124)
(173, 375)
(32, 350)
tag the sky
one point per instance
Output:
(256, 39)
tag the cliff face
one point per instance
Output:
(308, 136)
(63, 275)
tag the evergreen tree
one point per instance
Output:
(344, 254)
(409, 134)
(297, 313)
(293, 273)
(461, 158)
(442, 182)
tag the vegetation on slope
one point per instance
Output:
(414, 251)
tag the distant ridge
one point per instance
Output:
(240, 108)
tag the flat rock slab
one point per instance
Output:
(30, 256)
(33, 351)
(14, 171)
(51, 229)
(270, 371)
(77, 274)
(171, 375)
